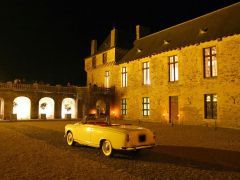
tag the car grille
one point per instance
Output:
(142, 138)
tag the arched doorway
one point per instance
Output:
(1, 108)
(69, 108)
(22, 107)
(46, 108)
(101, 107)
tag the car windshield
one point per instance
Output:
(100, 121)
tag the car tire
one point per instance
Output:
(107, 149)
(70, 140)
(135, 152)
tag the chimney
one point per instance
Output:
(141, 31)
(113, 37)
(93, 47)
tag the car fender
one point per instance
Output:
(117, 139)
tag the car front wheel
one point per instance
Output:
(70, 140)
(107, 148)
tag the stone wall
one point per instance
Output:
(96, 76)
(9, 91)
(190, 88)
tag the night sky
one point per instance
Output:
(46, 40)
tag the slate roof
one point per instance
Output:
(121, 41)
(105, 45)
(218, 24)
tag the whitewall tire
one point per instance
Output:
(107, 148)
(70, 140)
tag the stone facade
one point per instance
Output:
(190, 88)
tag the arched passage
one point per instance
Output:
(101, 107)
(46, 108)
(1, 108)
(22, 107)
(69, 108)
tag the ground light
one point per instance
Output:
(68, 108)
(22, 107)
(46, 107)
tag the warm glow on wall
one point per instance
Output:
(93, 111)
(46, 106)
(69, 107)
(165, 116)
(1, 108)
(115, 112)
(22, 107)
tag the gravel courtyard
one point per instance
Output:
(37, 150)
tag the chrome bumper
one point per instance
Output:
(137, 147)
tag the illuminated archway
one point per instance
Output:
(69, 108)
(46, 108)
(1, 108)
(22, 107)
(101, 107)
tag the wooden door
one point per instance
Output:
(173, 109)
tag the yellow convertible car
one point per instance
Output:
(109, 137)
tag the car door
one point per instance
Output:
(83, 132)
(96, 134)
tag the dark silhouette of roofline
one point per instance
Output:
(217, 24)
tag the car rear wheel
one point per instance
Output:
(70, 140)
(135, 152)
(107, 148)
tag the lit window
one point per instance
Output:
(124, 106)
(210, 106)
(106, 80)
(94, 62)
(124, 77)
(173, 68)
(146, 106)
(146, 73)
(104, 58)
(210, 62)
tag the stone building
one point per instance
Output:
(20, 101)
(186, 74)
